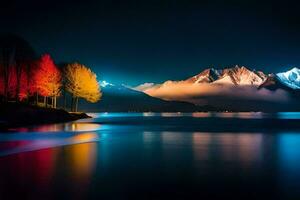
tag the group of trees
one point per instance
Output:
(24, 77)
(16, 66)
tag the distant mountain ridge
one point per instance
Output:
(119, 98)
(231, 89)
(236, 75)
(235, 89)
(240, 76)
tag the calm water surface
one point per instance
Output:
(155, 156)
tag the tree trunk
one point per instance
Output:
(6, 78)
(19, 74)
(6, 63)
(65, 100)
(72, 104)
(28, 82)
(46, 105)
(44, 101)
(76, 108)
(37, 98)
(54, 103)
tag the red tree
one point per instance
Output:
(47, 78)
(25, 88)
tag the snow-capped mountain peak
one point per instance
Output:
(241, 76)
(230, 76)
(105, 83)
(207, 76)
(290, 78)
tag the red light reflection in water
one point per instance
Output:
(28, 173)
(65, 127)
(32, 174)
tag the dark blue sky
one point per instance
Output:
(133, 42)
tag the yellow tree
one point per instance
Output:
(81, 82)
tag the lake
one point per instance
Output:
(155, 156)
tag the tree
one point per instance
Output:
(47, 79)
(19, 88)
(16, 56)
(81, 82)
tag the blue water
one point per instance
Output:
(155, 156)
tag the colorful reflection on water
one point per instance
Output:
(65, 127)
(13, 147)
(86, 159)
(240, 115)
(39, 174)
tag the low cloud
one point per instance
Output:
(144, 86)
(208, 94)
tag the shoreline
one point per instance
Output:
(13, 115)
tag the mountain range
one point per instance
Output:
(234, 89)
(239, 76)
(236, 75)
(119, 98)
(230, 89)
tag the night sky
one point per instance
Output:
(133, 42)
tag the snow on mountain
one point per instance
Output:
(105, 83)
(236, 88)
(241, 76)
(290, 78)
(230, 76)
(207, 76)
(224, 80)
(234, 76)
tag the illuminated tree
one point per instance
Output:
(16, 57)
(20, 88)
(81, 82)
(47, 79)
